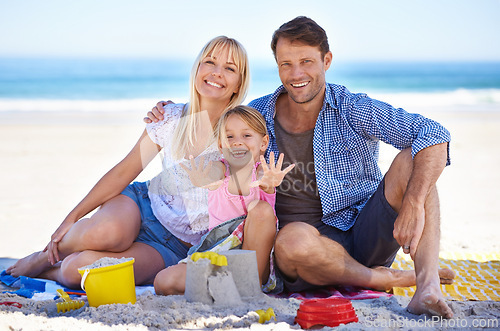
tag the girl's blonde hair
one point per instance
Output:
(185, 132)
(249, 115)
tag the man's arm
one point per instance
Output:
(428, 164)
(428, 141)
(395, 126)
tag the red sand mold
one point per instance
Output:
(326, 312)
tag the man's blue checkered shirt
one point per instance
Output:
(346, 146)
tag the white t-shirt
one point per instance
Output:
(179, 206)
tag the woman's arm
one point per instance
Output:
(110, 185)
(115, 180)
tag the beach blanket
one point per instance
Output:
(477, 276)
(346, 292)
(43, 289)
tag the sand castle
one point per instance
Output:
(224, 279)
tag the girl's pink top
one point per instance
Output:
(224, 206)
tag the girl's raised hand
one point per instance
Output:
(273, 175)
(201, 175)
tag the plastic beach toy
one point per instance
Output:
(110, 284)
(68, 303)
(265, 316)
(11, 303)
(216, 259)
(326, 312)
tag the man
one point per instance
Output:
(341, 222)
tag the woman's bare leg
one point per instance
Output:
(113, 228)
(148, 262)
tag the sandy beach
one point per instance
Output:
(50, 160)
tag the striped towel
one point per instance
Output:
(327, 292)
(477, 275)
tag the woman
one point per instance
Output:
(154, 222)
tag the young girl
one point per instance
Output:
(241, 194)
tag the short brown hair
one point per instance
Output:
(304, 30)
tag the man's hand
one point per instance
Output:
(273, 175)
(156, 113)
(409, 227)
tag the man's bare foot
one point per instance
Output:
(429, 301)
(30, 266)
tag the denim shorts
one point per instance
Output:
(369, 241)
(152, 232)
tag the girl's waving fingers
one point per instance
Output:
(191, 162)
(192, 165)
(206, 170)
(272, 173)
(288, 169)
(201, 163)
(280, 161)
(183, 166)
(198, 174)
(263, 164)
(272, 161)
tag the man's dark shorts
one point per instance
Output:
(369, 241)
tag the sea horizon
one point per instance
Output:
(110, 84)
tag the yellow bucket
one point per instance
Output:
(110, 284)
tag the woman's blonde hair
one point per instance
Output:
(249, 115)
(185, 132)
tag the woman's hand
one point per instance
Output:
(273, 175)
(52, 247)
(156, 113)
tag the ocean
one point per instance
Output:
(54, 84)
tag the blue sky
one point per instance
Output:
(387, 30)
